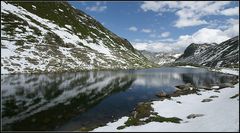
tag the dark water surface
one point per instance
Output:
(69, 101)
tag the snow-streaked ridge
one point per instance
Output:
(224, 54)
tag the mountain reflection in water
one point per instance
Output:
(69, 101)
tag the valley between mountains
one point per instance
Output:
(63, 70)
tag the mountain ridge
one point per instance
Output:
(224, 54)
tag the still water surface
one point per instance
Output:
(69, 101)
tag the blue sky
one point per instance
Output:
(166, 26)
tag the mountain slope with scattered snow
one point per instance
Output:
(160, 57)
(224, 54)
(55, 37)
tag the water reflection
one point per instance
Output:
(54, 97)
(69, 101)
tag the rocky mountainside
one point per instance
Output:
(160, 57)
(224, 54)
(56, 37)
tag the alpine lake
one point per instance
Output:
(72, 101)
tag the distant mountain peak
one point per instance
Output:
(161, 58)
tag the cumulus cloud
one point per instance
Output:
(157, 6)
(98, 7)
(167, 40)
(153, 46)
(189, 22)
(190, 13)
(204, 35)
(146, 30)
(132, 28)
(165, 34)
(233, 27)
(231, 11)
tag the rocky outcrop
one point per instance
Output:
(206, 100)
(144, 113)
(192, 116)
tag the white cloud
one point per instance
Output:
(231, 11)
(233, 21)
(190, 13)
(146, 30)
(167, 40)
(165, 34)
(233, 27)
(157, 6)
(204, 35)
(188, 18)
(132, 28)
(217, 24)
(98, 7)
(154, 46)
(189, 22)
(210, 35)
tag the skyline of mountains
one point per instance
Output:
(55, 37)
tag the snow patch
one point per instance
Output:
(187, 66)
(68, 26)
(60, 10)
(176, 55)
(34, 7)
(229, 71)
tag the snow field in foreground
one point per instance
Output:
(220, 114)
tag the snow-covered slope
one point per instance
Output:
(219, 115)
(54, 36)
(160, 57)
(224, 54)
